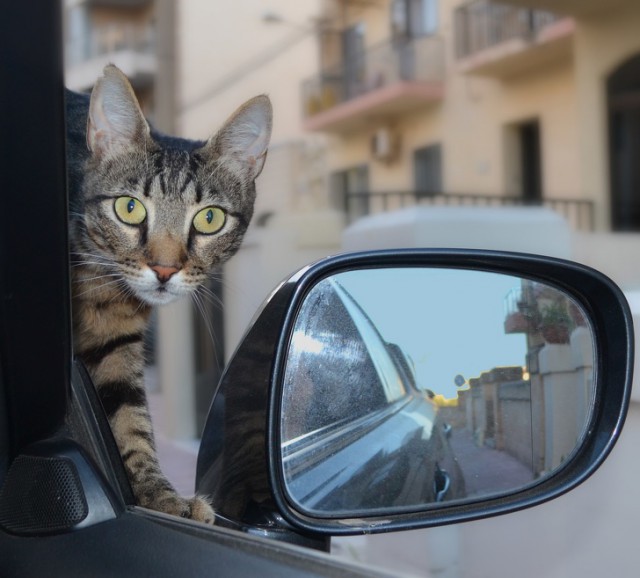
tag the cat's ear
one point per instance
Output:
(243, 140)
(115, 121)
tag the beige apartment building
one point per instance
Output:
(460, 102)
(384, 103)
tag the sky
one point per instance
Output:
(451, 322)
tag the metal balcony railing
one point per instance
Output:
(482, 24)
(578, 213)
(513, 301)
(399, 60)
(109, 39)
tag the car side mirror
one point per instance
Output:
(407, 389)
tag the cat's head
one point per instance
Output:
(162, 212)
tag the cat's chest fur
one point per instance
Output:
(101, 314)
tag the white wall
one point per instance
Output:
(269, 255)
(590, 532)
(533, 230)
(617, 255)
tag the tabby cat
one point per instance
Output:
(150, 217)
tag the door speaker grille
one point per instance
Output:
(42, 495)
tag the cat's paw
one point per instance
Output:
(196, 508)
(200, 510)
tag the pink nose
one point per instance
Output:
(164, 273)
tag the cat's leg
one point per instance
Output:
(109, 338)
(116, 366)
(133, 432)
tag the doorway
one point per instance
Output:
(623, 91)
(523, 161)
(530, 161)
(427, 170)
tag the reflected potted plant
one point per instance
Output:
(555, 323)
(578, 318)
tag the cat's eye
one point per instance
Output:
(129, 210)
(209, 220)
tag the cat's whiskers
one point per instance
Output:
(130, 293)
(125, 292)
(85, 263)
(96, 255)
(234, 288)
(99, 286)
(79, 258)
(197, 300)
(204, 292)
(98, 277)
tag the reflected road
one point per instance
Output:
(486, 470)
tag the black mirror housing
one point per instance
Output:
(240, 463)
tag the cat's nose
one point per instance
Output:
(164, 273)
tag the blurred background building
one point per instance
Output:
(383, 105)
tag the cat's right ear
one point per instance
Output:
(115, 123)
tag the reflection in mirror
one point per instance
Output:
(409, 387)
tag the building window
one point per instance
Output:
(354, 59)
(427, 169)
(413, 18)
(350, 191)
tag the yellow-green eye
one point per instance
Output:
(209, 220)
(129, 210)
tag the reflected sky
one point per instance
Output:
(449, 322)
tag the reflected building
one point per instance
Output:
(536, 413)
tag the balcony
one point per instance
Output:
(578, 213)
(131, 47)
(494, 39)
(387, 80)
(517, 315)
(574, 8)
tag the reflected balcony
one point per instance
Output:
(129, 46)
(499, 40)
(516, 318)
(387, 80)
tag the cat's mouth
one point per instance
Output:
(154, 292)
(160, 295)
(152, 289)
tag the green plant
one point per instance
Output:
(555, 323)
(555, 314)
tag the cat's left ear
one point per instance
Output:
(243, 140)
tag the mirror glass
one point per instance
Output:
(411, 387)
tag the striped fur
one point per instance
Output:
(120, 270)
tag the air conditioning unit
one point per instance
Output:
(385, 145)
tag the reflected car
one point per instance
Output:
(368, 437)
